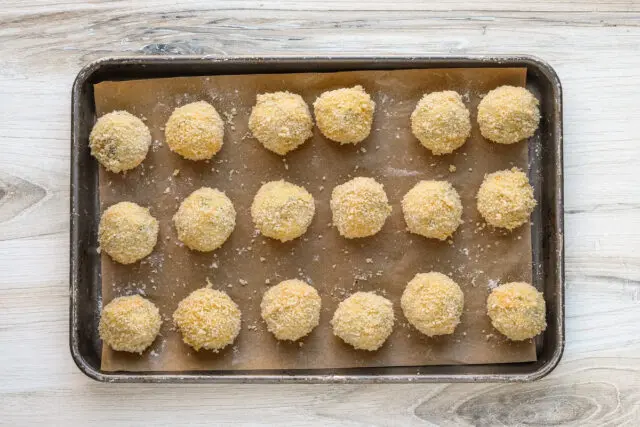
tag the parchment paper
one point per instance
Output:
(477, 258)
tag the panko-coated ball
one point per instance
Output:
(119, 141)
(281, 121)
(208, 319)
(127, 232)
(517, 310)
(195, 131)
(441, 122)
(291, 309)
(345, 115)
(505, 199)
(508, 114)
(205, 219)
(360, 207)
(364, 320)
(432, 209)
(282, 210)
(433, 303)
(129, 324)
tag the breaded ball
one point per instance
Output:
(208, 319)
(508, 114)
(291, 309)
(195, 131)
(205, 219)
(432, 209)
(129, 324)
(360, 207)
(119, 141)
(441, 122)
(282, 211)
(345, 115)
(127, 232)
(281, 121)
(364, 320)
(517, 310)
(505, 199)
(433, 303)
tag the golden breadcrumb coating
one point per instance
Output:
(205, 219)
(208, 319)
(129, 324)
(119, 141)
(364, 320)
(291, 309)
(345, 115)
(360, 207)
(508, 114)
(505, 199)
(441, 122)
(517, 310)
(127, 232)
(281, 121)
(282, 210)
(195, 131)
(433, 303)
(432, 209)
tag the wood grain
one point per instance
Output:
(592, 45)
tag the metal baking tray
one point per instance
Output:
(545, 171)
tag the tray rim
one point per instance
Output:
(89, 69)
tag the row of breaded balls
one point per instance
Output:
(284, 211)
(432, 302)
(281, 122)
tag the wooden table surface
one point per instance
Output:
(594, 46)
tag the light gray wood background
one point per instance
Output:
(594, 46)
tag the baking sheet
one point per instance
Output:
(477, 258)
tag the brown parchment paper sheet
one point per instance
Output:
(476, 258)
